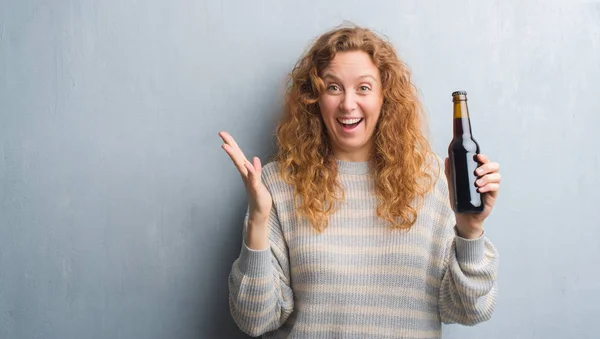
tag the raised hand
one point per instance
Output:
(259, 198)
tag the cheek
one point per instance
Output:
(328, 107)
(372, 110)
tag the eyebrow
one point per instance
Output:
(329, 75)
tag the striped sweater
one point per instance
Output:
(360, 278)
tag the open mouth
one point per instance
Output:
(349, 124)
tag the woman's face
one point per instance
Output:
(351, 104)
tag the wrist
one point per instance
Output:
(257, 222)
(257, 236)
(469, 233)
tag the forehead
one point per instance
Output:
(352, 64)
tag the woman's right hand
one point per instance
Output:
(259, 198)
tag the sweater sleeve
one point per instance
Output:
(260, 297)
(469, 286)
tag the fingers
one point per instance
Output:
(489, 181)
(235, 153)
(489, 188)
(257, 164)
(250, 171)
(483, 158)
(241, 165)
(492, 178)
(254, 171)
(487, 166)
(229, 140)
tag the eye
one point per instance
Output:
(364, 88)
(333, 88)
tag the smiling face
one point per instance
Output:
(351, 104)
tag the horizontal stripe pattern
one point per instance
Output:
(361, 332)
(365, 295)
(359, 278)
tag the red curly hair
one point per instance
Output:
(401, 152)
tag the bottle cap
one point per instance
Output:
(459, 93)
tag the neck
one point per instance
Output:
(361, 155)
(353, 167)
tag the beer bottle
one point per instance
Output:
(462, 153)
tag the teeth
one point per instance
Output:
(349, 121)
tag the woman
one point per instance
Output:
(349, 232)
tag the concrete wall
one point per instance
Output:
(120, 214)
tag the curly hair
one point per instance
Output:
(401, 151)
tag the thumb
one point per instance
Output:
(447, 168)
(255, 175)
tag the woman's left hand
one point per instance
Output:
(470, 226)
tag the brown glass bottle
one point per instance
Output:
(462, 152)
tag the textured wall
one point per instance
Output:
(120, 214)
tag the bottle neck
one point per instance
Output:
(462, 123)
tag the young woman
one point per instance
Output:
(349, 232)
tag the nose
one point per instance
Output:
(348, 102)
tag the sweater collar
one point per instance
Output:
(353, 167)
